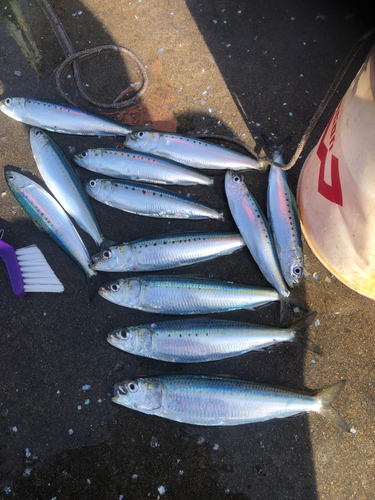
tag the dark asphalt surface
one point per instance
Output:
(228, 67)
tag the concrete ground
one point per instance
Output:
(229, 67)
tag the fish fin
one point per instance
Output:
(325, 398)
(106, 243)
(92, 285)
(306, 343)
(299, 330)
(143, 128)
(272, 147)
(283, 305)
(292, 301)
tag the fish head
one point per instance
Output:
(16, 181)
(234, 185)
(13, 107)
(123, 292)
(133, 339)
(142, 394)
(143, 141)
(88, 158)
(291, 264)
(38, 139)
(98, 188)
(115, 258)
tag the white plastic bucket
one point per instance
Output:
(336, 188)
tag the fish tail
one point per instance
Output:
(220, 216)
(283, 305)
(106, 243)
(272, 147)
(325, 398)
(292, 301)
(92, 285)
(299, 330)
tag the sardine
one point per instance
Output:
(59, 118)
(139, 167)
(198, 340)
(190, 151)
(64, 183)
(257, 235)
(48, 216)
(166, 251)
(151, 201)
(201, 400)
(284, 219)
(185, 295)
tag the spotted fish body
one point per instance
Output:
(285, 224)
(190, 151)
(48, 215)
(166, 251)
(139, 167)
(199, 340)
(64, 183)
(214, 401)
(257, 235)
(255, 231)
(151, 201)
(59, 118)
(184, 295)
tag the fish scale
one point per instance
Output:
(190, 151)
(64, 183)
(202, 400)
(166, 251)
(139, 167)
(59, 118)
(284, 221)
(147, 200)
(198, 340)
(48, 215)
(185, 295)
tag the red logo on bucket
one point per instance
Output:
(332, 192)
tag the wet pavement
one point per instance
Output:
(234, 68)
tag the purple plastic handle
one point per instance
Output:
(8, 253)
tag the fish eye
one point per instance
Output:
(84, 154)
(141, 134)
(37, 133)
(297, 271)
(236, 178)
(107, 254)
(124, 334)
(92, 183)
(115, 287)
(8, 101)
(133, 387)
(10, 177)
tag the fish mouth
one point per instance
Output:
(105, 289)
(119, 391)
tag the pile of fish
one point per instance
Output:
(135, 175)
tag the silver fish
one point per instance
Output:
(166, 251)
(199, 340)
(139, 167)
(284, 220)
(200, 400)
(64, 183)
(59, 118)
(151, 201)
(190, 151)
(185, 295)
(256, 233)
(48, 216)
